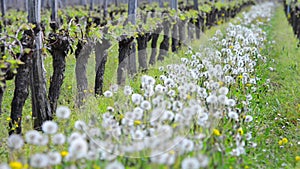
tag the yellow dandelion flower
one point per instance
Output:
(96, 167)
(25, 166)
(285, 140)
(64, 153)
(248, 85)
(240, 131)
(230, 47)
(240, 76)
(15, 165)
(8, 119)
(137, 122)
(297, 158)
(174, 125)
(216, 132)
(280, 142)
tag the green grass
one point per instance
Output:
(278, 112)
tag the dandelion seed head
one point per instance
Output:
(49, 127)
(78, 148)
(58, 139)
(15, 142)
(54, 158)
(63, 112)
(39, 160)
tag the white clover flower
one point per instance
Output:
(49, 127)
(78, 148)
(59, 139)
(54, 158)
(108, 94)
(146, 105)
(115, 165)
(190, 163)
(63, 112)
(32, 137)
(39, 160)
(15, 142)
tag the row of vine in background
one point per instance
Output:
(77, 31)
(292, 11)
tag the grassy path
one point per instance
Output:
(278, 113)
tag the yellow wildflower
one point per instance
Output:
(216, 132)
(297, 158)
(280, 142)
(64, 153)
(96, 167)
(15, 165)
(240, 130)
(121, 116)
(137, 122)
(285, 140)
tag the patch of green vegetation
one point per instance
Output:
(278, 110)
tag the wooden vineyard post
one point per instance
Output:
(198, 21)
(40, 104)
(196, 5)
(132, 7)
(91, 5)
(161, 3)
(174, 4)
(175, 35)
(105, 12)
